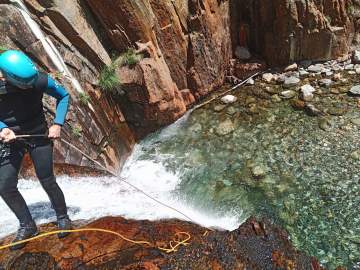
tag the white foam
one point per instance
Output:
(92, 197)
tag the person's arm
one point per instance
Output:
(62, 96)
(2, 125)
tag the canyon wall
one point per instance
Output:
(186, 49)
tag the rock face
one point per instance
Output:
(285, 31)
(254, 245)
(187, 48)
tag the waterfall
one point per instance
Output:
(48, 45)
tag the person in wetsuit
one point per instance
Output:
(21, 112)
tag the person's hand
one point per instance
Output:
(54, 132)
(7, 135)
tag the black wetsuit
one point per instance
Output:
(22, 111)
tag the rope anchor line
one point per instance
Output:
(173, 248)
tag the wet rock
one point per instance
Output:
(244, 70)
(231, 110)
(291, 82)
(250, 100)
(268, 77)
(258, 172)
(291, 67)
(307, 92)
(225, 128)
(243, 247)
(311, 110)
(297, 104)
(219, 108)
(305, 63)
(337, 110)
(355, 90)
(242, 53)
(188, 97)
(355, 155)
(325, 83)
(228, 99)
(356, 121)
(325, 124)
(287, 94)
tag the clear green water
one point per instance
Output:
(276, 163)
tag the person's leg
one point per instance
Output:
(9, 169)
(42, 157)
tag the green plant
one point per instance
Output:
(58, 75)
(84, 98)
(130, 57)
(76, 130)
(108, 79)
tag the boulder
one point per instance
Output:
(245, 247)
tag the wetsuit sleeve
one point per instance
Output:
(2, 125)
(62, 96)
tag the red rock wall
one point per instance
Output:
(284, 31)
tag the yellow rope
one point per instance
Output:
(178, 243)
(167, 250)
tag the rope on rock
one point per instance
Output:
(227, 91)
(172, 248)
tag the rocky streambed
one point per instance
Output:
(284, 147)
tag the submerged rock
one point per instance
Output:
(225, 127)
(311, 110)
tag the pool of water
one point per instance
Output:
(261, 157)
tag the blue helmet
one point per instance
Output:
(18, 69)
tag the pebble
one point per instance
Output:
(291, 67)
(356, 57)
(287, 94)
(307, 92)
(325, 83)
(228, 99)
(291, 82)
(355, 90)
(267, 77)
(225, 128)
(349, 67)
(250, 82)
(315, 68)
(303, 73)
